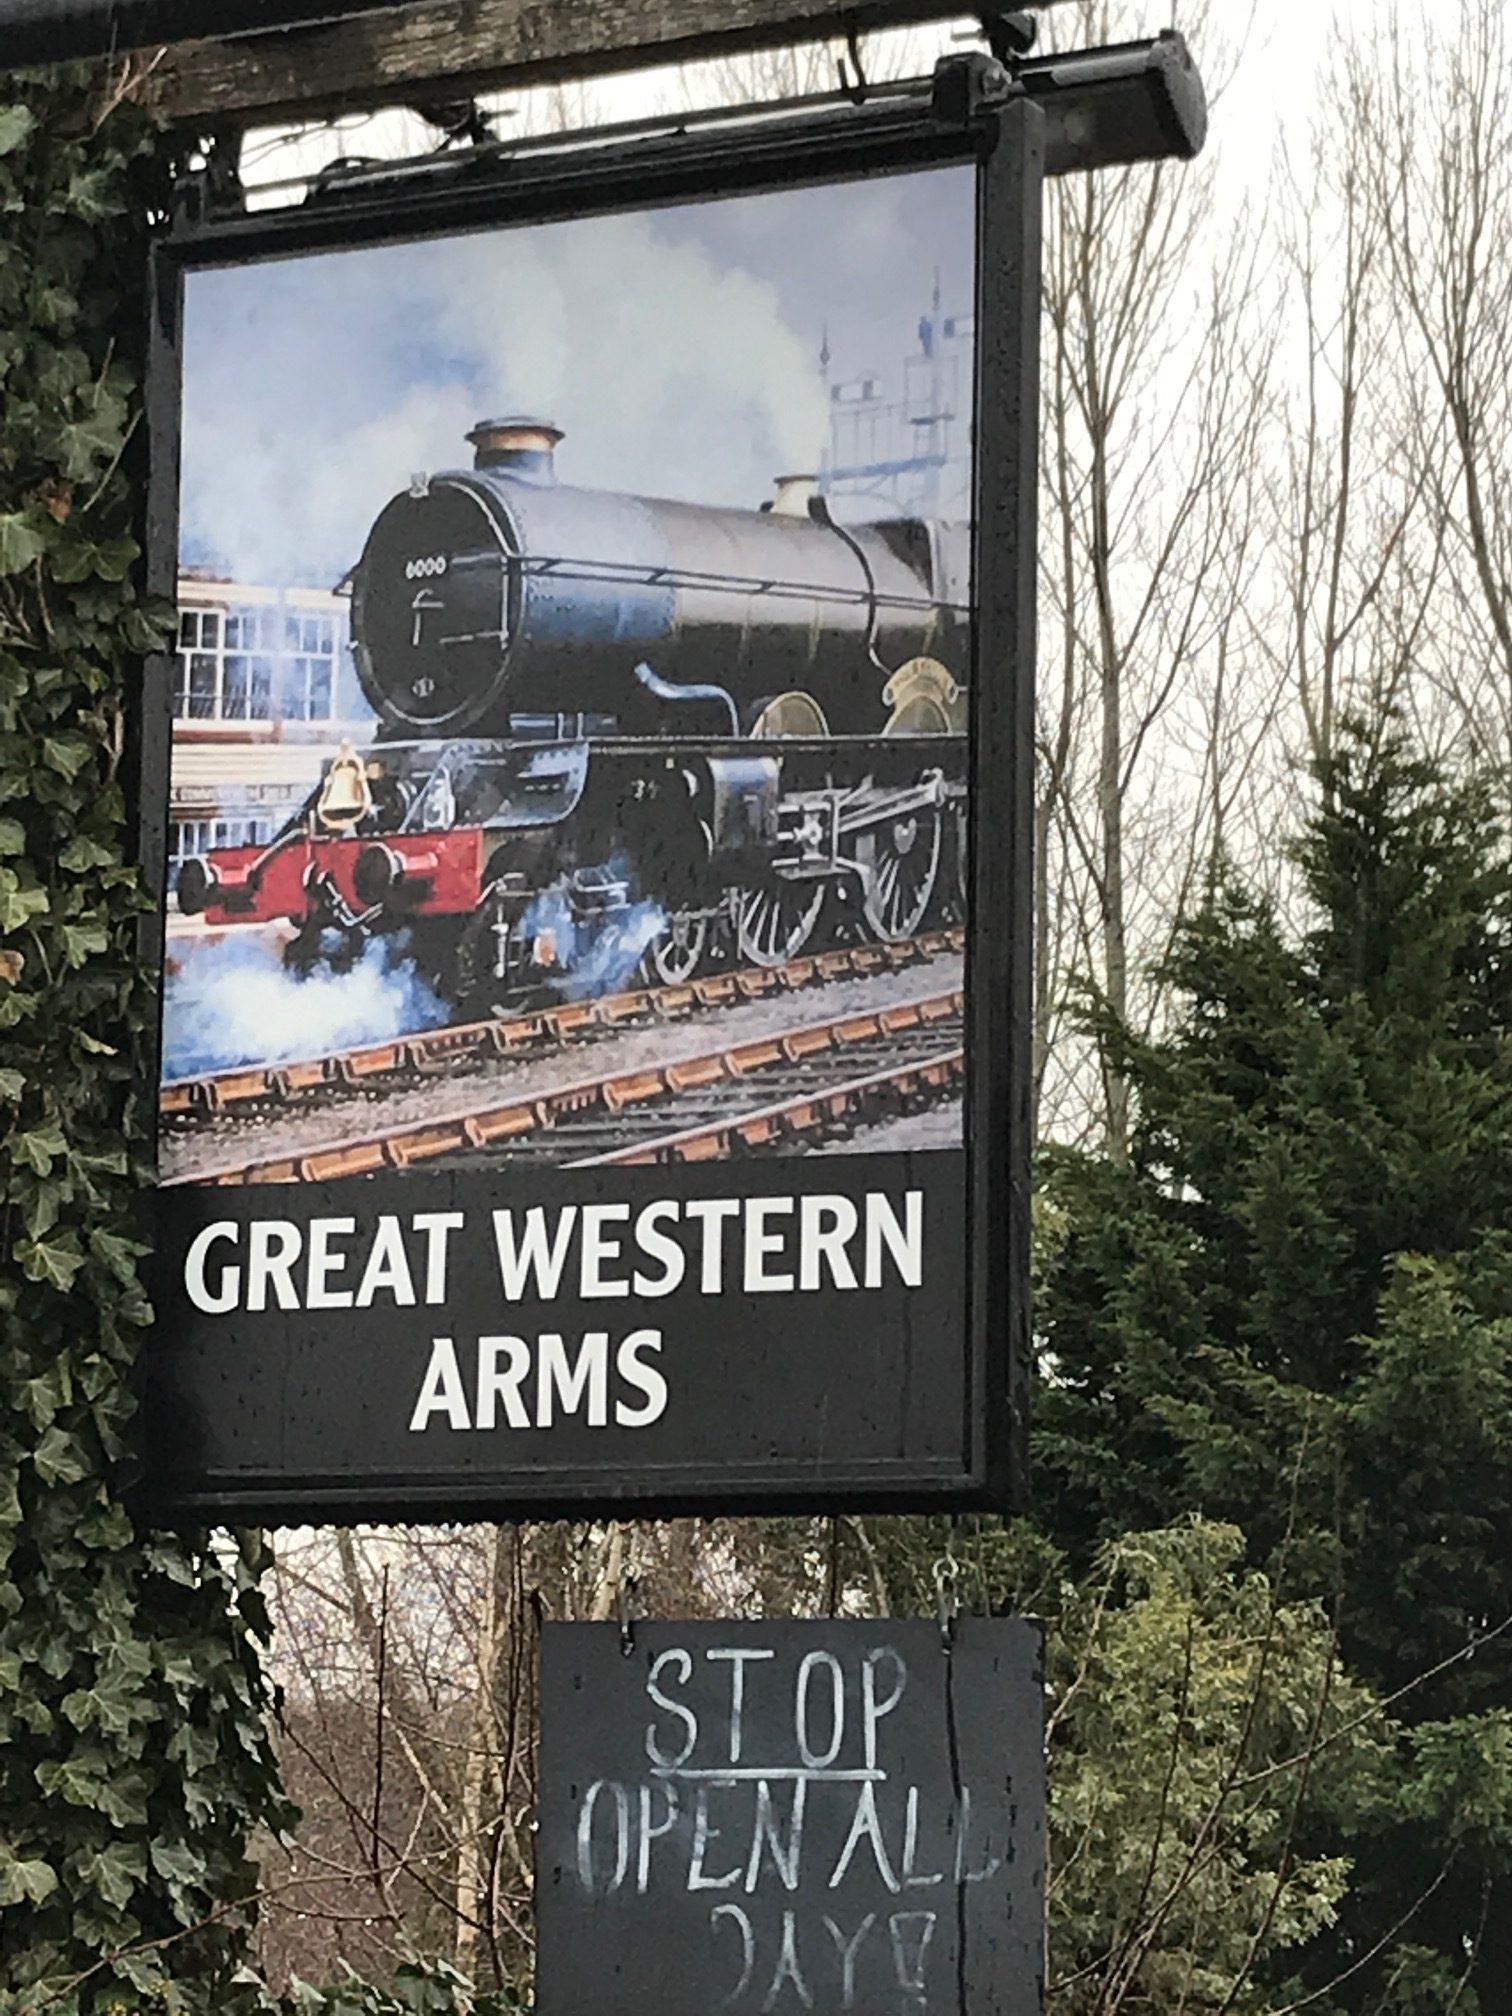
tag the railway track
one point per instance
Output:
(190, 1102)
(798, 1087)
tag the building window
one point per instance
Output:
(257, 664)
(247, 688)
(200, 646)
(310, 644)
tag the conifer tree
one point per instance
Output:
(1292, 1310)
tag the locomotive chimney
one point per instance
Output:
(519, 445)
(793, 496)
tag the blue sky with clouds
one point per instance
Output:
(677, 348)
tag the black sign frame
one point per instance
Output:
(987, 1466)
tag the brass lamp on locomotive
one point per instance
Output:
(609, 701)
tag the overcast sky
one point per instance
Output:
(1270, 96)
(679, 350)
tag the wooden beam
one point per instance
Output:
(463, 47)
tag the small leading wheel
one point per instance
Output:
(776, 919)
(905, 866)
(677, 951)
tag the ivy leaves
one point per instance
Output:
(16, 126)
(79, 422)
(135, 1762)
(23, 541)
(24, 1882)
(417, 1989)
(134, 1756)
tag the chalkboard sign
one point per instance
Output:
(824, 1816)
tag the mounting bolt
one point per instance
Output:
(1010, 33)
(967, 85)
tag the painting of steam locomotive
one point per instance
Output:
(606, 699)
(614, 738)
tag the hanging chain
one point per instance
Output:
(947, 1578)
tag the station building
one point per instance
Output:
(265, 691)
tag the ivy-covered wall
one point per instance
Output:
(134, 1756)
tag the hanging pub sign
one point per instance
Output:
(827, 1816)
(591, 799)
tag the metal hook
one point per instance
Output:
(946, 1578)
(1009, 33)
(627, 1589)
(858, 91)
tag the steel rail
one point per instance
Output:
(615, 1099)
(424, 1052)
(807, 1114)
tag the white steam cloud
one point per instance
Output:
(234, 1002)
(595, 955)
(315, 387)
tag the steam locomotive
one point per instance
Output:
(623, 721)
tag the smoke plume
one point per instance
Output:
(315, 387)
(232, 1001)
(594, 954)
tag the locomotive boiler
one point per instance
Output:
(612, 726)
(495, 593)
